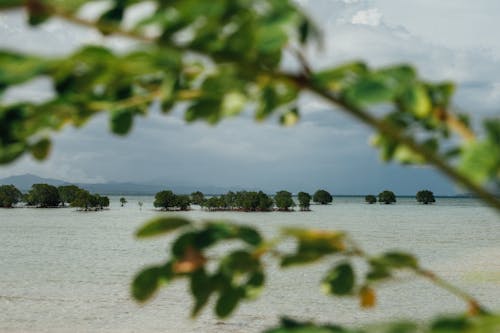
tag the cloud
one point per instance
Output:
(326, 149)
(371, 17)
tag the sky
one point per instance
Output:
(446, 40)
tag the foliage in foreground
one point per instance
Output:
(218, 58)
(239, 275)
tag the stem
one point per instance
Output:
(474, 306)
(396, 134)
(473, 303)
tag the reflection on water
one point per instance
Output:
(68, 271)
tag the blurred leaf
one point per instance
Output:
(480, 160)
(240, 261)
(160, 226)
(227, 301)
(416, 100)
(369, 90)
(312, 245)
(445, 325)
(290, 117)
(41, 149)
(338, 78)
(399, 260)
(121, 121)
(11, 152)
(249, 235)
(16, 68)
(202, 287)
(339, 280)
(146, 283)
(191, 261)
(367, 297)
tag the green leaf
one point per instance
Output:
(416, 100)
(399, 260)
(121, 121)
(239, 261)
(445, 325)
(11, 152)
(6, 4)
(202, 287)
(480, 160)
(16, 68)
(338, 78)
(41, 149)
(249, 235)
(147, 282)
(313, 245)
(254, 285)
(290, 118)
(368, 91)
(227, 301)
(161, 226)
(339, 280)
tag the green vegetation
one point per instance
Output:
(371, 199)
(167, 200)
(386, 197)
(246, 201)
(68, 193)
(9, 196)
(43, 196)
(89, 202)
(425, 197)
(284, 201)
(231, 61)
(123, 201)
(197, 198)
(322, 197)
(304, 201)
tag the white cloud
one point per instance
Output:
(371, 17)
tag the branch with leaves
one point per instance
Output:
(219, 58)
(240, 274)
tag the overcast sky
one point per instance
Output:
(446, 40)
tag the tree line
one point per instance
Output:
(247, 201)
(388, 197)
(46, 196)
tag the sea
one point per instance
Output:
(62, 270)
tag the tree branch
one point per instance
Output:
(303, 81)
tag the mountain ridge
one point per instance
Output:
(25, 181)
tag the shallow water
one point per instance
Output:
(68, 271)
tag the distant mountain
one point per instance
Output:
(24, 182)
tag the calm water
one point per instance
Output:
(68, 271)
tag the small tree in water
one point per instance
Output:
(123, 201)
(425, 197)
(304, 201)
(197, 198)
(371, 199)
(387, 197)
(322, 197)
(283, 200)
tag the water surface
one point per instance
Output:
(68, 271)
